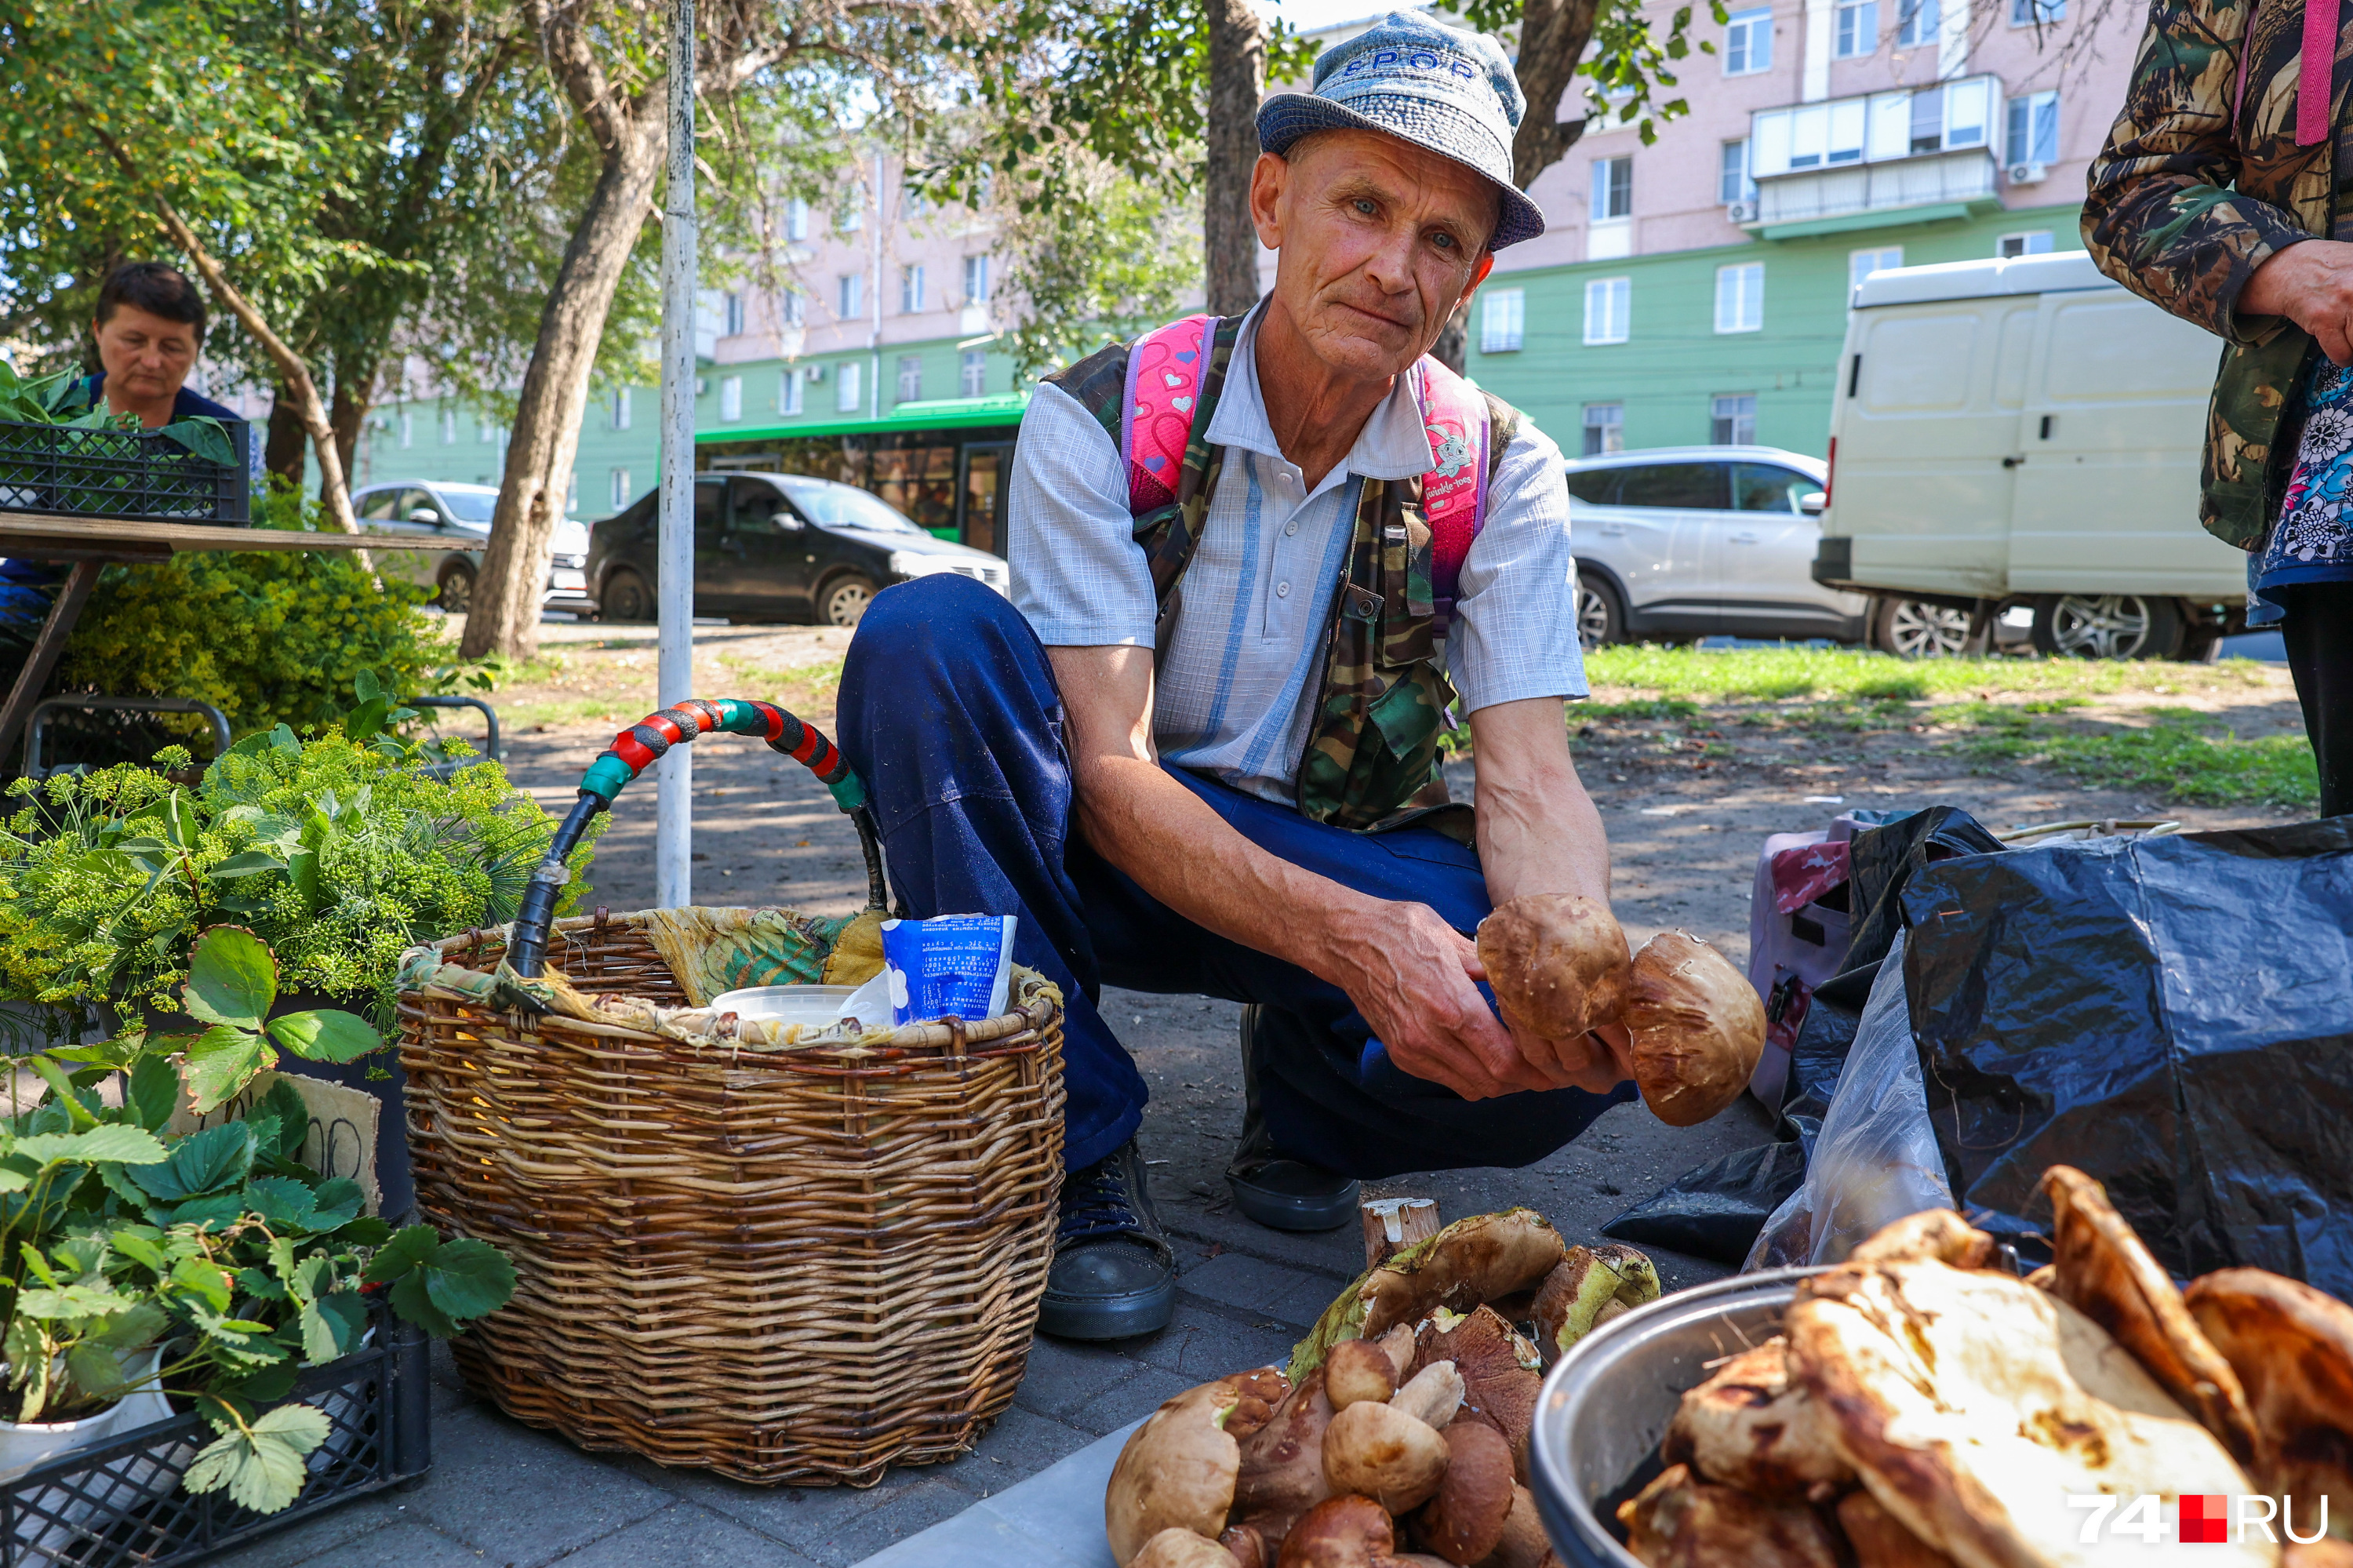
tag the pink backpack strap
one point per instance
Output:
(1454, 491)
(1164, 387)
(2316, 73)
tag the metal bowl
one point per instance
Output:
(1607, 1401)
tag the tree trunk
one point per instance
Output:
(350, 411)
(1236, 76)
(281, 454)
(503, 616)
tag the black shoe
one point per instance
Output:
(1279, 1192)
(1114, 1274)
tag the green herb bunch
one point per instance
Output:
(338, 852)
(64, 401)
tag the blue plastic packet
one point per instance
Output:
(951, 966)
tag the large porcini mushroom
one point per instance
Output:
(1356, 1370)
(1500, 1372)
(1471, 1262)
(1173, 1548)
(2101, 1268)
(1937, 1233)
(1378, 1451)
(1592, 1286)
(1281, 1473)
(1680, 1522)
(1432, 1394)
(1557, 963)
(1751, 1426)
(1697, 1027)
(1178, 1469)
(1343, 1532)
(1523, 1544)
(1878, 1538)
(2292, 1348)
(1463, 1519)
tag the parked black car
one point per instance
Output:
(777, 547)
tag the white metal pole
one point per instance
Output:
(674, 678)
(874, 393)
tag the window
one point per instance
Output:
(1748, 41)
(1613, 188)
(788, 392)
(1732, 180)
(1763, 487)
(730, 399)
(2036, 242)
(1967, 116)
(1503, 320)
(911, 377)
(734, 304)
(620, 496)
(448, 427)
(1605, 428)
(797, 220)
(1858, 28)
(485, 433)
(1861, 264)
(1740, 297)
(1607, 306)
(976, 373)
(2032, 135)
(1685, 486)
(2037, 13)
(910, 289)
(407, 429)
(1733, 420)
(845, 388)
(850, 295)
(792, 306)
(1918, 22)
(621, 407)
(976, 280)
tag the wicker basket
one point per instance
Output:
(798, 1263)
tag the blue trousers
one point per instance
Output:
(949, 711)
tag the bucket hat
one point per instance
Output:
(1436, 87)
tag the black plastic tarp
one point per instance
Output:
(2173, 1015)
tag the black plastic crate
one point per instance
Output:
(120, 1504)
(123, 473)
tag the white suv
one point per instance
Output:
(1677, 543)
(462, 513)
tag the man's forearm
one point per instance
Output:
(1538, 830)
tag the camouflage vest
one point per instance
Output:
(1372, 759)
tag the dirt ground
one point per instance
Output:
(1685, 812)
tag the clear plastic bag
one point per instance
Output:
(1875, 1160)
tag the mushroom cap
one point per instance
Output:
(1247, 1546)
(2103, 1271)
(2292, 1348)
(1937, 1233)
(1697, 1025)
(1878, 1538)
(1341, 1532)
(1523, 1544)
(1176, 1471)
(1464, 1521)
(1557, 963)
(1282, 1474)
(1432, 1394)
(1379, 1451)
(1173, 1548)
(1752, 1425)
(1576, 1296)
(1355, 1370)
(1680, 1522)
(1471, 1262)
(1499, 1370)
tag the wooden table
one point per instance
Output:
(92, 542)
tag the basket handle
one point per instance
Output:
(641, 745)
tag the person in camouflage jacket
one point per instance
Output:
(2216, 198)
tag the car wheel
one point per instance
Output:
(626, 597)
(1600, 613)
(844, 599)
(1916, 629)
(2107, 625)
(456, 590)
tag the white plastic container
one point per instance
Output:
(129, 1479)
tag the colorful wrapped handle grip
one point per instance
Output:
(642, 745)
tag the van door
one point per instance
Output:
(2107, 454)
(1657, 533)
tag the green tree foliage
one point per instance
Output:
(1096, 257)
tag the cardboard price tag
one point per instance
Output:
(342, 1140)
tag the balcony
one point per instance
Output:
(1865, 163)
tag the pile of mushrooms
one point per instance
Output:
(1560, 969)
(1398, 1433)
(1923, 1408)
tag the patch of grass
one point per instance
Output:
(1638, 708)
(807, 683)
(1796, 675)
(571, 710)
(2185, 756)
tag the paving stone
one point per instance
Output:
(1063, 1375)
(411, 1545)
(525, 1498)
(1267, 1289)
(1138, 1397)
(1020, 1443)
(1204, 1341)
(685, 1536)
(794, 1515)
(315, 1539)
(915, 1510)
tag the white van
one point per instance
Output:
(2025, 433)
